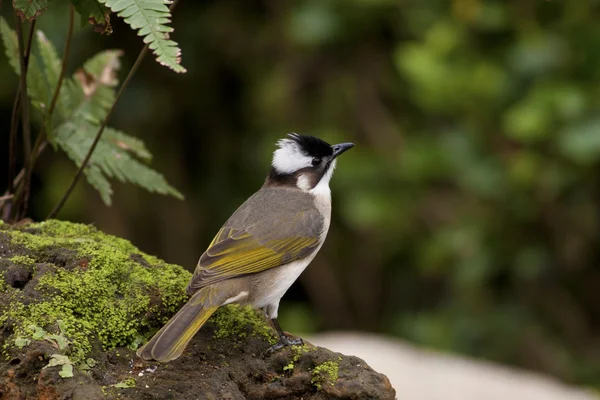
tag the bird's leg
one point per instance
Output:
(284, 339)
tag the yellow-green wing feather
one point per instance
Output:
(235, 253)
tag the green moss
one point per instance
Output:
(238, 321)
(326, 373)
(297, 352)
(22, 260)
(102, 292)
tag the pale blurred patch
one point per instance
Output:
(420, 374)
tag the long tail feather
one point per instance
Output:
(170, 342)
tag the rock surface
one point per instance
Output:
(75, 303)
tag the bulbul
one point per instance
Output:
(263, 247)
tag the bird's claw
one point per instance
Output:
(284, 341)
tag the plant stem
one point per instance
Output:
(20, 105)
(86, 160)
(17, 180)
(14, 125)
(14, 120)
(41, 137)
(23, 62)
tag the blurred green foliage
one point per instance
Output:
(467, 217)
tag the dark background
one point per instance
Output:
(466, 218)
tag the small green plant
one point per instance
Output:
(297, 352)
(126, 384)
(326, 373)
(67, 366)
(72, 112)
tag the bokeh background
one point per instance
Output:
(467, 217)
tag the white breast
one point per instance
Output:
(280, 281)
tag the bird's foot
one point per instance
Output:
(284, 340)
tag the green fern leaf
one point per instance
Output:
(9, 40)
(90, 93)
(30, 9)
(50, 59)
(127, 143)
(93, 13)
(110, 160)
(37, 86)
(97, 81)
(83, 103)
(150, 17)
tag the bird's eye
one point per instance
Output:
(316, 161)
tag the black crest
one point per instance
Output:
(311, 145)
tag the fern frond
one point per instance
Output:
(127, 143)
(50, 59)
(37, 86)
(90, 93)
(110, 160)
(9, 40)
(94, 176)
(30, 9)
(94, 13)
(150, 18)
(83, 103)
(97, 81)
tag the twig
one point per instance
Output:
(7, 197)
(41, 137)
(21, 173)
(86, 160)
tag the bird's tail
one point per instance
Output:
(170, 342)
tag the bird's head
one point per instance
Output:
(304, 161)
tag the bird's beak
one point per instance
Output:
(340, 148)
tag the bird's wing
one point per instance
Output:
(268, 243)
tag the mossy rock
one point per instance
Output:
(75, 303)
(100, 289)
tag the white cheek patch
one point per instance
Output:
(289, 158)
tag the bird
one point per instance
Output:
(262, 248)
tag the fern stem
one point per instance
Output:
(25, 115)
(41, 137)
(20, 98)
(86, 160)
(14, 125)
